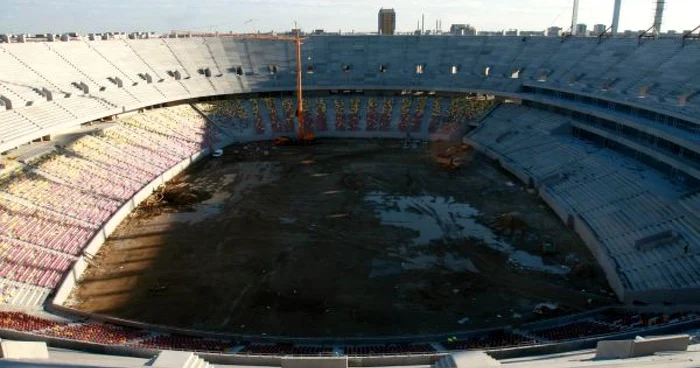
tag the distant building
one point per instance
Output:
(387, 22)
(532, 33)
(599, 29)
(581, 30)
(462, 30)
(490, 33)
(321, 32)
(554, 31)
(512, 32)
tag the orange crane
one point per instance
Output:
(304, 137)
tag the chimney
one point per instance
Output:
(658, 16)
(616, 16)
(574, 18)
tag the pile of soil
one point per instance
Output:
(172, 197)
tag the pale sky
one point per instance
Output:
(83, 16)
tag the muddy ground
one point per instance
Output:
(344, 238)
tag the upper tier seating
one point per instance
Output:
(127, 74)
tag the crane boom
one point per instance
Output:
(300, 97)
(303, 135)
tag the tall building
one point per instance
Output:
(599, 29)
(462, 30)
(554, 31)
(387, 21)
(581, 30)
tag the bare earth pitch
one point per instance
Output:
(345, 238)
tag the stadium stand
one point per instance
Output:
(488, 340)
(575, 330)
(185, 343)
(18, 321)
(605, 191)
(100, 333)
(388, 349)
(639, 96)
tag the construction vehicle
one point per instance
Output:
(304, 137)
(453, 157)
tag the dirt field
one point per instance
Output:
(345, 238)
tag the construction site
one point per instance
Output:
(342, 238)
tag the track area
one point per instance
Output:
(345, 238)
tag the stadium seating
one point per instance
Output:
(50, 211)
(257, 118)
(373, 115)
(386, 115)
(289, 111)
(275, 119)
(418, 114)
(19, 321)
(605, 189)
(32, 265)
(575, 330)
(99, 333)
(495, 339)
(354, 115)
(320, 119)
(435, 116)
(405, 118)
(339, 113)
(184, 343)
(388, 349)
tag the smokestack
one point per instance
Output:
(658, 16)
(422, 26)
(437, 22)
(574, 18)
(616, 16)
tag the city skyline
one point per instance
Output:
(32, 16)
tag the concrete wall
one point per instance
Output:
(622, 349)
(614, 349)
(654, 345)
(23, 350)
(314, 362)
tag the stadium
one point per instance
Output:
(154, 198)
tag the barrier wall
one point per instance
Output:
(653, 345)
(75, 273)
(614, 349)
(23, 350)
(313, 362)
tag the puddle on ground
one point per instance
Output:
(232, 187)
(531, 262)
(435, 218)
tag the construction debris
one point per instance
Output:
(454, 157)
(510, 223)
(170, 197)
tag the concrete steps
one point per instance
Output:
(178, 359)
(446, 362)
